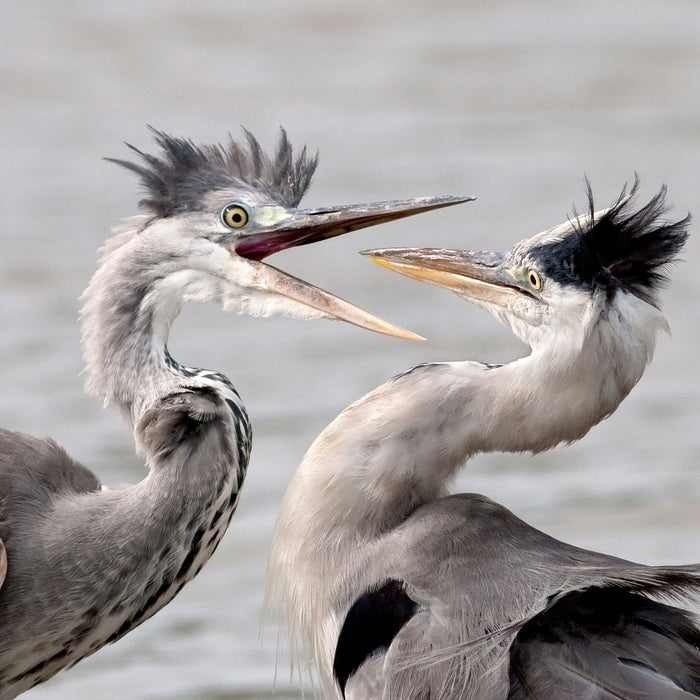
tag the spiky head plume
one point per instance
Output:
(621, 249)
(178, 178)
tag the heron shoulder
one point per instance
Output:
(33, 473)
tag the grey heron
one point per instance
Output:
(80, 566)
(397, 589)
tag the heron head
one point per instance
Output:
(560, 283)
(216, 211)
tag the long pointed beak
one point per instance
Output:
(271, 279)
(279, 229)
(477, 275)
(303, 226)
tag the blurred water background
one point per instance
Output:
(511, 102)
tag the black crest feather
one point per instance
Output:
(623, 249)
(178, 178)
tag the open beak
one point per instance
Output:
(478, 275)
(303, 226)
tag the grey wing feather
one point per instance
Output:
(607, 643)
(504, 608)
(33, 472)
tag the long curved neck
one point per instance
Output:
(129, 307)
(400, 446)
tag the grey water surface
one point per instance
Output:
(511, 102)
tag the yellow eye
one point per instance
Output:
(235, 216)
(534, 279)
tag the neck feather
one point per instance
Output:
(129, 306)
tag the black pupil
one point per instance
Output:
(237, 218)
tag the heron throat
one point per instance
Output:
(129, 307)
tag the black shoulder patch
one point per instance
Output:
(622, 249)
(371, 624)
(177, 179)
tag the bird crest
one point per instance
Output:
(176, 180)
(617, 249)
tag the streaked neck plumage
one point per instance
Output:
(399, 447)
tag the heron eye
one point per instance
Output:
(534, 279)
(235, 216)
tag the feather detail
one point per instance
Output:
(616, 249)
(177, 179)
